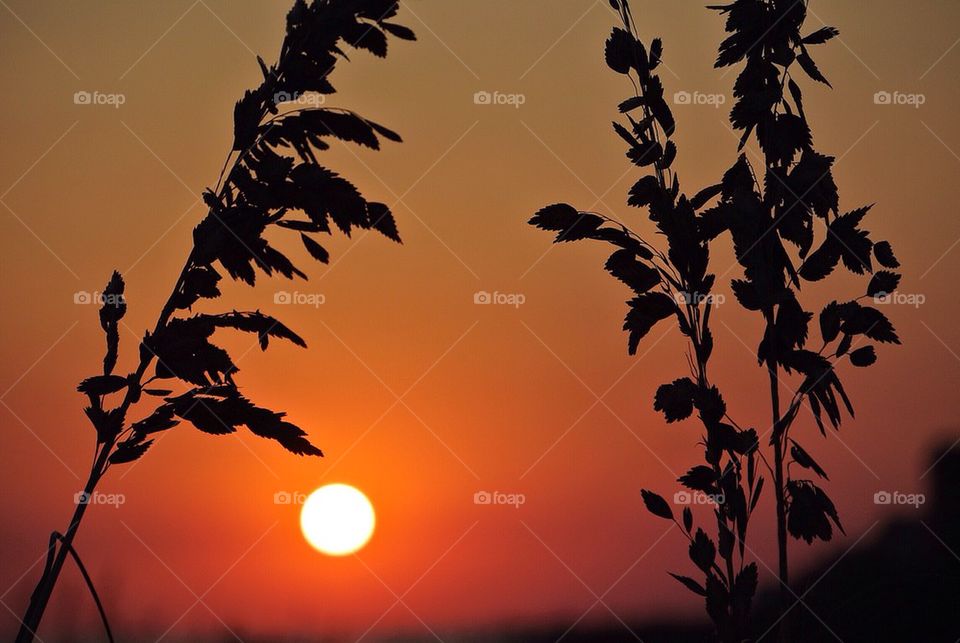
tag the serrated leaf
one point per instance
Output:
(102, 385)
(883, 251)
(863, 357)
(316, 251)
(882, 283)
(656, 505)
(675, 400)
(690, 584)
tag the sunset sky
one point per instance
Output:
(417, 395)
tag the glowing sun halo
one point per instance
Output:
(337, 519)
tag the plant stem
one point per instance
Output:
(41, 594)
(779, 485)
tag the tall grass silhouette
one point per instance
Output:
(270, 179)
(785, 222)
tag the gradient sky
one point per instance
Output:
(417, 395)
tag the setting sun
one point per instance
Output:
(337, 519)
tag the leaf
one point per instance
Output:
(710, 404)
(107, 423)
(316, 251)
(129, 451)
(646, 311)
(882, 283)
(644, 192)
(703, 196)
(102, 385)
(656, 53)
(620, 50)
(220, 410)
(822, 262)
(806, 62)
(399, 31)
(687, 519)
(756, 494)
(863, 357)
(382, 221)
(821, 36)
(855, 244)
(699, 478)
(630, 104)
(702, 551)
(114, 306)
(830, 321)
(690, 584)
(624, 265)
(669, 154)
(803, 459)
(555, 218)
(872, 323)
(246, 119)
(810, 512)
(160, 420)
(675, 400)
(883, 251)
(656, 505)
(157, 392)
(251, 322)
(364, 36)
(797, 96)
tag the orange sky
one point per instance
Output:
(417, 395)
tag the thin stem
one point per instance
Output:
(779, 483)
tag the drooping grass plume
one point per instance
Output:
(271, 178)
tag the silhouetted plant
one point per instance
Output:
(798, 190)
(273, 174)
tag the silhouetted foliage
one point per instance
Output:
(274, 179)
(772, 218)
